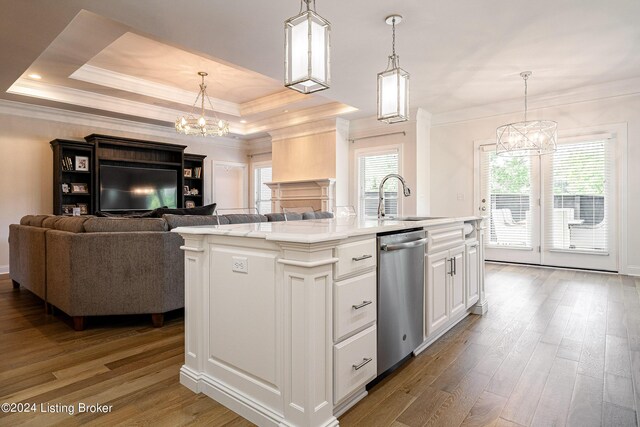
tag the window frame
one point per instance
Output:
(374, 151)
(254, 182)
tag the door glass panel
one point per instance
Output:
(577, 213)
(507, 182)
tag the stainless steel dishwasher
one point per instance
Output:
(400, 296)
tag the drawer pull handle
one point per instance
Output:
(364, 304)
(362, 258)
(361, 364)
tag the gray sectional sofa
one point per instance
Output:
(90, 266)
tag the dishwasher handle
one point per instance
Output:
(405, 245)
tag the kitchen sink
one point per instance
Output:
(410, 218)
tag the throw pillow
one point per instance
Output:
(200, 210)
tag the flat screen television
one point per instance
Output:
(134, 188)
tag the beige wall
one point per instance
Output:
(26, 158)
(305, 157)
(452, 156)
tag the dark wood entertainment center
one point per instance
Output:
(76, 167)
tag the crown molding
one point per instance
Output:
(311, 115)
(305, 129)
(551, 99)
(127, 83)
(274, 101)
(98, 101)
(32, 111)
(259, 145)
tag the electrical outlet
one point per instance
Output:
(460, 196)
(240, 264)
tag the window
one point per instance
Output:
(373, 166)
(262, 175)
(577, 187)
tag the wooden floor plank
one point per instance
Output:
(523, 401)
(553, 406)
(586, 403)
(485, 370)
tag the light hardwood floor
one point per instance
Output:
(556, 348)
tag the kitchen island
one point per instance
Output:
(280, 317)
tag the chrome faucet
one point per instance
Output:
(405, 189)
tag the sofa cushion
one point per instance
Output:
(49, 222)
(323, 214)
(149, 214)
(73, 224)
(101, 225)
(33, 220)
(245, 218)
(291, 216)
(174, 221)
(200, 210)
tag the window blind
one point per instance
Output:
(506, 189)
(263, 192)
(372, 169)
(577, 188)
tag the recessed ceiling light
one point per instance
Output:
(285, 111)
(35, 76)
(243, 121)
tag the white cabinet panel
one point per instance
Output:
(437, 270)
(354, 257)
(472, 276)
(457, 300)
(354, 304)
(355, 363)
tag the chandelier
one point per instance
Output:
(192, 125)
(527, 138)
(393, 84)
(307, 48)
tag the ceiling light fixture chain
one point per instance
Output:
(191, 125)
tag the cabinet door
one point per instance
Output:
(457, 291)
(437, 269)
(473, 274)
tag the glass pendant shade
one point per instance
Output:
(393, 96)
(192, 124)
(393, 85)
(528, 137)
(307, 46)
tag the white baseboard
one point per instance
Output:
(234, 400)
(4, 269)
(348, 403)
(633, 270)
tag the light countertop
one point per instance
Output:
(314, 231)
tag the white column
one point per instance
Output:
(196, 267)
(423, 157)
(308, 359)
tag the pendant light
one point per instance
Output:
(307, 49)
(393, 84)
(191, 125)
(528, 137)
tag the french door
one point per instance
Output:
(558, 209)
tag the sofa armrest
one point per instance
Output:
(27, 257)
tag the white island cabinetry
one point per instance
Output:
(280, 318)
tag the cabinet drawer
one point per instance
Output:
(355, 256)
(445, 237)
(354, 304)
(354, 363)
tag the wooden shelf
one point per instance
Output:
(142, 162)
